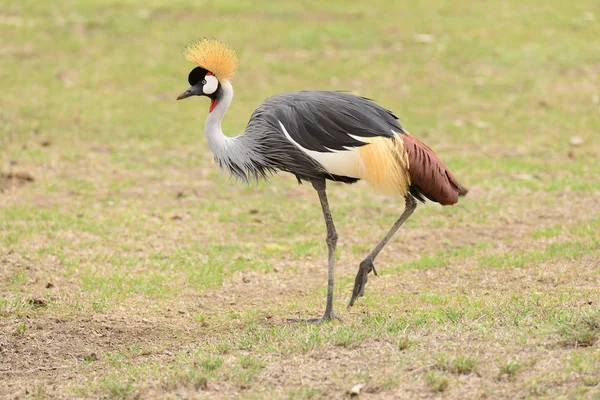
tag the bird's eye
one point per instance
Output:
(195, 75)
(204, 81)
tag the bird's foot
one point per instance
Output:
(366, 266)
(328, 316)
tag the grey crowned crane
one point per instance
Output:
(319, 136)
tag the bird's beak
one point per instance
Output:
(192, 91)
(186, 94)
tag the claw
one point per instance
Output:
(361, 280)
(325, 318)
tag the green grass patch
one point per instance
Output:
(509, 369)
(459, 365)
(567, 250)
(579, 330)
(437, 382)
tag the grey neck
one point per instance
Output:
(217, 141)
(236, 154)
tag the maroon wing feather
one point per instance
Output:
(429, 175)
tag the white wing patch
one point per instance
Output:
(358, 138)
(338, 162)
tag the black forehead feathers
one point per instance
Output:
(196, 75)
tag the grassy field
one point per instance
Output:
(131, 267)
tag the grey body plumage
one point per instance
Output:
(323, 121)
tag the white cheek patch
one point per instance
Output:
(212, 83)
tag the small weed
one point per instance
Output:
(117, 389)
(234, 315)
(99, 305)
(197, 379)
(248, 367)
(38, 392)
(580, 331)
(404, 342)
(90, 358)
(249, 362)
(590, 380)
(537, 388)
(455, 315)
(464, 365)
(20, 329)
(510, 369)
(135, 350)
(223, 348)
(199, 317)
(211, 364)
(245, 342)
(437, 382)
(461, 365)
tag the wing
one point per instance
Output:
(326, 122)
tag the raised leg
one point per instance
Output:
(331, 244)
(366, 265)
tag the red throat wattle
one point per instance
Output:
(213, 102)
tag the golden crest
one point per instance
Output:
(213, 55)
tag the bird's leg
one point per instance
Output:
(366, 265)
(331, 240)
(331, 245)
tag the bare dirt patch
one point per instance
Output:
(74, 349)
(9, 180)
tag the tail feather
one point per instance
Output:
(429, 176)
(403, 164)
